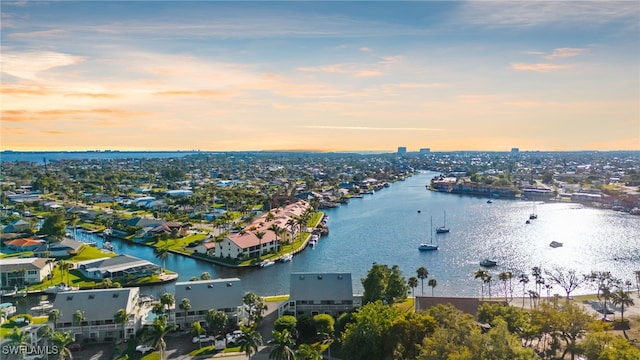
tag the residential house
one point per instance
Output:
(168, 228)
(208, 248)
(121, 266)
(17, 226)
(220, 294)
(22, 271)
(60, 249)
(246, 243)
(99, 307)
(22, 244)
(320, 293)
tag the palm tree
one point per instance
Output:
(259, 235)
(482, 275)
(622, 298)
(162, 253)
(423, 273)
(413, 283)
(121, 317)
(205, 276)
(524, 279)
(216, 320)
(503, 276)
(64, 267)
(281, 346)
(62, 342)
(20, 339)
(78, 319)
(185, 305)
(197, 330)
(167, 300)
(250, 340)
(54, 316)
(156, 333)
(433, 283)
(277, 231)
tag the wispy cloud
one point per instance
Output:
(537, 67)
(328, 127)
(196, 93)
(562, 53)
(38, 34)
(27, 65)
(18, 116)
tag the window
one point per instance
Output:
(92, 297)
(188, 288)
(69, 298)
(339, 277)
(301, 277)
(229, 284)
(32, 272)
(116, 295)
(210, 286)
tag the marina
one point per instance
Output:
(382, 228)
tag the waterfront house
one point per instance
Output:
(22, 271)
(60, 249)
(121, 266)
(22, 244)
(220, 294)
(208, 248)
(246, 244)
(99, 307)
(314, 293)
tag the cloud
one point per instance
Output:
(94, 95)
(27, 65)
(562, 53)
(328, 127)
(23, 116)
(196, 93)
(538, 67)
(38, 34)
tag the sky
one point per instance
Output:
(320, 75)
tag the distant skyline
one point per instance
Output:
(320, 75)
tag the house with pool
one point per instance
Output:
(121, 266)
(203, 295)
(314, 293)
(98, 308)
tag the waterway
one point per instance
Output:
(388, 226)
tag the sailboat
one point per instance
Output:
(430, 246)
(443, 229)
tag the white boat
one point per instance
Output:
(286, 257)
(107, 246)
(8, 291)
(430, 246)
(267, 263)
(533, 215)
(9, 309)
(43, 306)
(488, 263)
(58, 288)
(555, 244)
(443, 229)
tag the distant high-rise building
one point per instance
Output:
(425, 150)
(402, 149)
(515, 150)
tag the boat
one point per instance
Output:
(488, 263)
(267, 263)
(443, 229)
(430, 246)
(533, 215)
(286, 257)
(555, 244)
(8, 309)
(58, 288)
(107, 245)
(43, 306)
(8, 291)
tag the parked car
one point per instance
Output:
(144, 348)
(75, 347)
(232, 337)
(203, 338)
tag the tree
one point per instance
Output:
(54, 226)
(62, 341)
(255, 306)
(197, 330)
(324, 323)
(307, 331)
(155, 334)
(422, 273)
(259, 235)
(20, 339)
(53, 317)
(167, 300)
(281, 346)
(277, 231)
(121, 317)
(622, 298)
(162, 253)
(504, 277)
(78, 319)
(524, 280)
(205, 276)
(216, 320)
(567, 279)
(185, 305)
(397, 288)
(287, 322)
(413, 284)
(249, 340)
(308, 352)
(65, 266)
(433, 283)
(481, 274)
(371, 325)
(384, 283)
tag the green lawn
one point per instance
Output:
(178, 244)
(90, 253)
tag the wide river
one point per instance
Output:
(388, 226)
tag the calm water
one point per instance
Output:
(386, 228)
